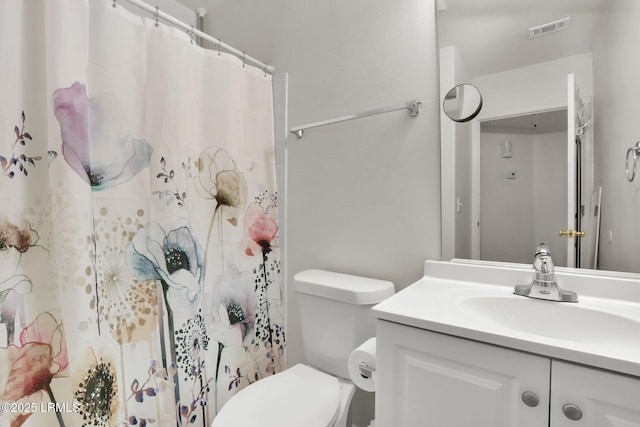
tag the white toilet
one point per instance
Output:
(336, 317)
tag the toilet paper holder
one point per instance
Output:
(366, 372)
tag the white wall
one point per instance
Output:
(463, 190)
(616, 115)
(447, 56)
(537, 87)
(363, 196)
(455, 164)
(549, 194)
(507, 204)
(519, 213)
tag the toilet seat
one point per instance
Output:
(298, 396)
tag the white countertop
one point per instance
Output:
(464, 300)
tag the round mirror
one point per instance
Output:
(462, 103)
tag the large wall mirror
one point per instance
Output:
(544, 160)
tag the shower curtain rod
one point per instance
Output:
(193, 31)
(412, 106)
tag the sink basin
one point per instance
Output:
(567, 322)
(476, 301)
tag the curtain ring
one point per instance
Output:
(626, 163)
(244, 57)
(190, 34)
(114, 5)
(156, 17)
(219, 46)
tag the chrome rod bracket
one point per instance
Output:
(414, 107)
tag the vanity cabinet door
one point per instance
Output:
(587, 397)
(434, 380)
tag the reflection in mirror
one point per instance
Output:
(462, 103)
(522, 160)
(577, 67)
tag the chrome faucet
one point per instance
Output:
(544, 285)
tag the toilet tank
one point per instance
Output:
(336, 317)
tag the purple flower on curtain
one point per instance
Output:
(40, 357)
(96, 141)
(19, 161)
(233, 307)
(220, 180)
(172, 256)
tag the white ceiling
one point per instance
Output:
(492, 35)
(208, 5)
(537, 123)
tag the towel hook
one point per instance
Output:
(632, 153)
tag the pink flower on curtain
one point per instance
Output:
(261, 230)
(96, 141)
(40, 357)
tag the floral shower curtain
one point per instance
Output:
(139, 270)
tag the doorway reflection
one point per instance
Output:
(523, 163)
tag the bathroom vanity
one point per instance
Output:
(458, 349)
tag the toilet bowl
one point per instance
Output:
(336, 317)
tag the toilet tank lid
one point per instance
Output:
(342, 287)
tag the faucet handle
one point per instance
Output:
(543, 248)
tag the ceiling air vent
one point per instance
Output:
(550, 27)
